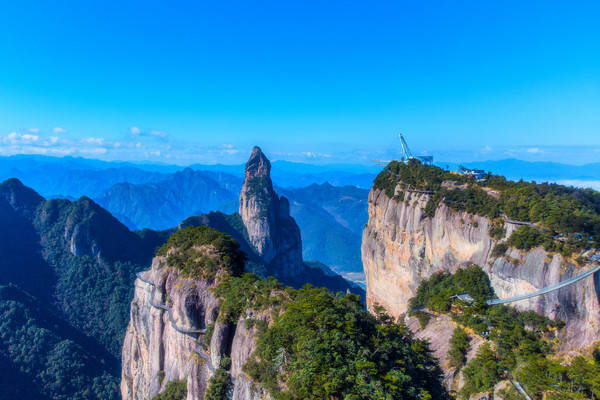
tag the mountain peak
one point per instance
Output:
(19, 196)
(258, 164)
(271, 230)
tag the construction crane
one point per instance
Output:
(427, 160)
(407, 154)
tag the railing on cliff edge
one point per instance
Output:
(199, 350)
(168, 310)
(547, 289)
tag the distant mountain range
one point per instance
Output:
(73, 177)
(163, 204)
(327, 201)
(66, 280)
(537, 171)
(330, 218)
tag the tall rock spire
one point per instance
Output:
(271, 230)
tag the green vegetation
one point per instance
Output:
(42, 356)
(509, 393)
(497, 230)
(237, 294)
(578, 379)
(459, 345)
(435, 292)
(556, 209)
(175, 390)
(519, 343)
(323, 347)
(499, 250)
(482, 372)
(415, 175)
(202, 252)
(318, 345)
(525, 238)
(423, 318)
(220, 383)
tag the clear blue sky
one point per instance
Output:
(325, 81)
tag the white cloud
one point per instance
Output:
(486, 149)
(156, 133)
(58, 129)
(93, 150)
(15, 138)
(52, 140)
(93, 140)
(311, 154)
(152, 133)
(535, 150)
(33, 130)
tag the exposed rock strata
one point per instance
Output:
(401, 247)
(266, 216)
(438, 332)
(154, 352)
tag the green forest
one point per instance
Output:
(67, 282)
(518, 344)
(319, 345)
(555, 209)
(48, 357)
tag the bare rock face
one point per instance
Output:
(155, 351)
(401, 247)
(271, 230)
(438, 332)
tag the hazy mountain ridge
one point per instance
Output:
(331, 220)
(78, 263)
(163, 204)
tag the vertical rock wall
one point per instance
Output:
(401, 247)
(271, 230)
(156, 352)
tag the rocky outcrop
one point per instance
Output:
(438, 332)
(162, 346)
(271, 230)
(401, 247)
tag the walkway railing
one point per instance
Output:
(547, 289)
(198, 349)
(515, 222)
(168, 310)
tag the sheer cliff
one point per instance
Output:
(267, 233)
(271, 230)
(199, 324)
(410, 236)
(175, 333)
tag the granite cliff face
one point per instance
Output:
(401, 247)
(161, 346)
(271, 230)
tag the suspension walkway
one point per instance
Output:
(547, 289)
(185, 331)
(515, 222)
(191, 332)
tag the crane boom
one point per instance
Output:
(407, 154)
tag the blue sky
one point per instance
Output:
(329, 81)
